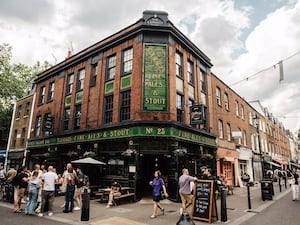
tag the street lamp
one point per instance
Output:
(256, 121)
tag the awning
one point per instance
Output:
(274, 164)
(281, 161)
(294, 164)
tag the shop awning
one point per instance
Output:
(281, 161)
(274, 164)
(294, 164)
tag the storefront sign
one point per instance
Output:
(126, 132)
(197, 114)
(155, 78)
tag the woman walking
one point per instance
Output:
(157, 183)
(71, 181)
(33, 191)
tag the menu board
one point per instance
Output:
(203, 200)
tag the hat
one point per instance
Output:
(203, 167)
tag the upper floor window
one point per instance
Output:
(179, 107)
(127, 61)
(202, 81)
(111, 68)
(37, 128)
(51, 91)
(179, 69)
(70, 83)
(190, 72)
(220, 127)
(125, 106)
(240, 139)
(27, 109)
(77, 116)
(14, 141)
(226, 101)
(80, 79)
(237, 108)
(245, 138)
(242, 112)
(23, 136)
(67, 113)
(94, 74)
(18, 113)
(108, 108)
(228, 130)
(42, 95)
(218, 95)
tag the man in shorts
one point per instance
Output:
(185, 181)
(23, 183)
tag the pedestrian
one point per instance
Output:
(2, 175)
(48, 192)
(295, 184)
(21, 181)
(78, 191)
(71, 179)
(33, 192)
(158, 185)
(185, 190)
(40, 172)
(115, 190)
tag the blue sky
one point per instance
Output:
(241, 38)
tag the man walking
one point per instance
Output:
(185, 189)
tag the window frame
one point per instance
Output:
(190, 72)
(220, 129)
(179, 107)
(179, 64)
(125, 103)
(108, 109)
(42, 95)
(67, 114)
(127, 61)
(226, 101)
(80, 79)
(218, 96)
(70, 84)
(94, 74)
(37, 127)
(111, 64)
(51, 91)
(77, 116)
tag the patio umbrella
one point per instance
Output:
(88, 161)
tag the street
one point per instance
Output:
(284, 211)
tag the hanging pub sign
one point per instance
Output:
(197, 114)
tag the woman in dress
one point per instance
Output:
(158, 184)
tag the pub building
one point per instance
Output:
(136, 100)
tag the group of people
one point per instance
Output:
(40, 187)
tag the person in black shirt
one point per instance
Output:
(114, 191)
(295, 185)
(23, 183)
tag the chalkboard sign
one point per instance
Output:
(203, 200)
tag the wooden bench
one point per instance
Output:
(126, 192)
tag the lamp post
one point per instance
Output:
(256, 119)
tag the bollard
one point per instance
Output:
(248, 194)
(279, 182)
(223, 206)
(185, 219)
(85, 209)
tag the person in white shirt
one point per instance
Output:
(48, 192)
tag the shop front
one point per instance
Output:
(245, 163)
(132, 154)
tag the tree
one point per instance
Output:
(14, 79)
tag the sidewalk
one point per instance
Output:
(139, 213)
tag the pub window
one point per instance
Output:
(18, 113)
(77, 116)
(70, 83)
(23, 137)
(179, 69)
(190, 72)
(66, 118)
(125, 105)
(226, 101)
(111, 67)
(38, 126)
(220, 127)
(14, 141)
(80, 79)
(42, 95)
(108, 108)
(218, 95)
(228, 130)
(179, 107)
(51, 91)
(127, 61)
(27, 109)
(94, 72)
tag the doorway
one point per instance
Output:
(148, 165)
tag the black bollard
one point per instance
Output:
(279, 182)
(85, 209)
(248, 194)
(223, 206)
(185, 219)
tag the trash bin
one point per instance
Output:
(267, 190)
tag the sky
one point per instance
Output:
(245, 39)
